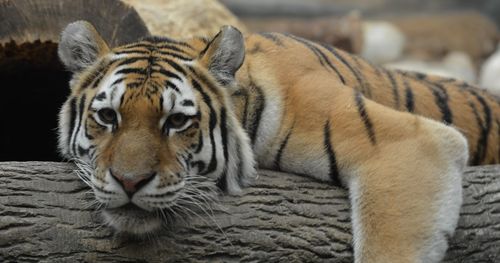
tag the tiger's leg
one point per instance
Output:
(403, 171)
(406, 201)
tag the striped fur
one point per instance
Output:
(391, 137)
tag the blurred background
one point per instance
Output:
(452, 38)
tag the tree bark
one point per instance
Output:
(45, 216)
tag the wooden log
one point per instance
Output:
(46, 216)
(43, 20)
(29, 64)
(185, 19)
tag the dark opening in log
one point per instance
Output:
(34, 82)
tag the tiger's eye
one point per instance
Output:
(107, 115)
(176, 120)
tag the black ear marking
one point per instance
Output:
(224, 54)
(80, 46)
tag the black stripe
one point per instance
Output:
(135, 84)
(99, 74)
(82, 151)
(223, 133)
(367, 88)
(72, 119)
(410, 104)
(273, 37)
(475, 159)
(171, 47)
(440, 95)
(277, 159)
(174, 65)
(101, 96)
(100, 70)
(171, 85)
(166, 73)
(344, 61)
(260, 104)
(175, 55)
(358, 97)
(482, 143)
(319, 54)
(212, 124)
(81, 107)
(161, 103)
(133, 51)
(140, 71)
(117, 81)
(199, 164)
(394, 86)
(222, 181)
(334, 170)
(187, 103)
(131, 60)
(139, 45)
(200, 143)
(201, 77)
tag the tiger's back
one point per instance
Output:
(279, 60)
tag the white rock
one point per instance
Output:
(382, 42)
(489, 77)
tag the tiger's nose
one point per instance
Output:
(132, 184)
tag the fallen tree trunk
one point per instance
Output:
(45, 217)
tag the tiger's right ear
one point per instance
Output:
(80, 46)
(224, 54)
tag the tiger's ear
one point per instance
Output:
(80, 46)
(224, 54)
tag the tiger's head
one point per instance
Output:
(150, 124)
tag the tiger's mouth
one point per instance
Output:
(132, 219)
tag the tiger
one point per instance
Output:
(160, 124)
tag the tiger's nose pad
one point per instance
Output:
(132, 184)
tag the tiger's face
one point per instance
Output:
(150, 124)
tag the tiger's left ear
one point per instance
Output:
(80, 46)
(224, 54)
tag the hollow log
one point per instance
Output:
(46, 216)
(32, 76)
(43, 20)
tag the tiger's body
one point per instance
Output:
(162, 122)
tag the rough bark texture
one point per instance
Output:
(43, 20)
(185, 19)
(45, 217)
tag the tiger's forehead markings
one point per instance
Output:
(173, 99)
(109, 94)
(155, 59)
(148, 69)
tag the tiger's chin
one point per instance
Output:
(132, 219)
